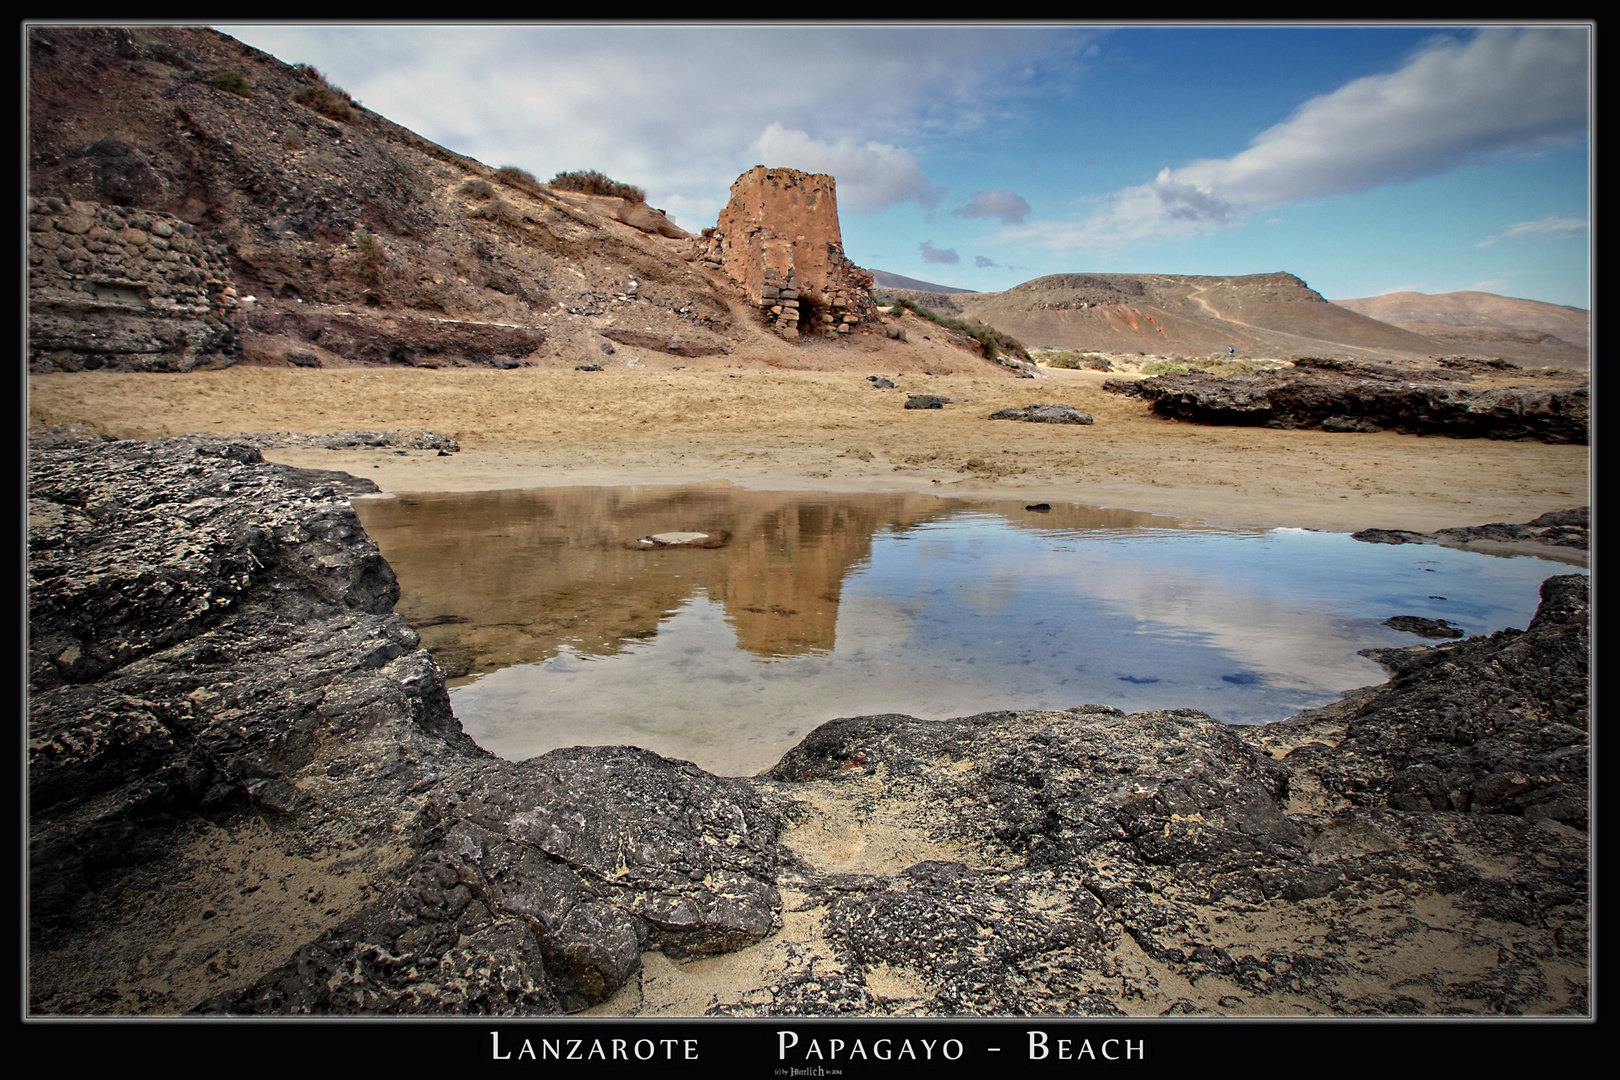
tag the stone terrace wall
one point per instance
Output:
(129, 290)
(778, 238)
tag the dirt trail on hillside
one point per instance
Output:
(804, 430)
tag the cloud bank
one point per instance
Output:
(682, 110)
(1548, 228)
(1454, 103)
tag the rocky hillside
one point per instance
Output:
(1523, 331)
(348, 239)
(357, 239)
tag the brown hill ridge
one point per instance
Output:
(1256, 315)
(1523, 331)
(1271, 316)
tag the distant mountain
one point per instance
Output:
(885, 280)
(1262, 315)
(1523, 331)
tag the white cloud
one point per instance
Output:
(1548, 228)
(1454, 103)
(679, 109)
(1001, 203)
(870, 176)
(932, 254)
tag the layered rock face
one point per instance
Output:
(362, 242)
(778, 238)
(127, 290)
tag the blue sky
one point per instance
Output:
(1365, 159)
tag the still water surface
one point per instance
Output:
(558, 630)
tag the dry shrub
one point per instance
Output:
(329, 101)
(591, 182)
(522, 179)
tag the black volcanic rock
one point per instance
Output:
(1557, 529)
(1430, 628)
(248, 794)
(1044, 414)
(213, 652)
(1360, 397)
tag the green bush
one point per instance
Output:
(1077, 361)
(992, 342)
(232, 81)
(372, 257)
(329, 101)
(1180, 365)
(591, 182)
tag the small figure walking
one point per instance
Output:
(1230, 350)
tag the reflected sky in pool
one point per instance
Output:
(934, 611)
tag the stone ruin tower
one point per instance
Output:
(778, 239)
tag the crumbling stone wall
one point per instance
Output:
(124, 289)
(778, 239)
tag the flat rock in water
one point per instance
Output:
(1433, 628)
(1391, 536)
(712, 539)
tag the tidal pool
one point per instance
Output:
(558, 628)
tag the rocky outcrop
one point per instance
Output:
(1470, 726)
(1560, 534)
(639, 215)
(248, 794)
(1044, 414)
(398, 338)
(779, 240)
(360, 241)
(1352, 397)
(125, 290)
(1418, 849)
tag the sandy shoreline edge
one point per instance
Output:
(831, 431)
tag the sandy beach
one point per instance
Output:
(773, 429)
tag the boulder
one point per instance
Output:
(1044, 414)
